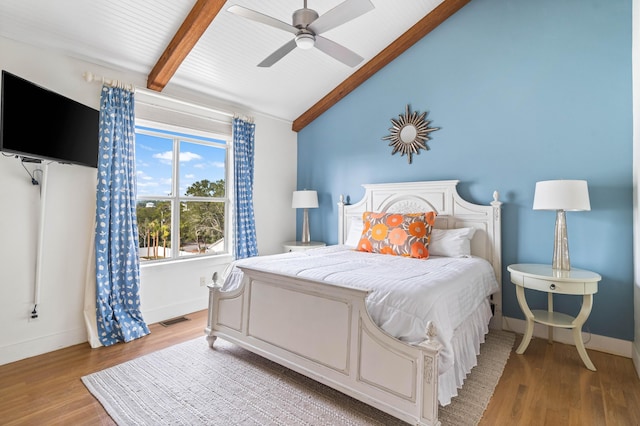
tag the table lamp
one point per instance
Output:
(561, 196)
(305, 199)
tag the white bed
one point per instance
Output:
(398, 356)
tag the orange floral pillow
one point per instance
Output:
(397, 234)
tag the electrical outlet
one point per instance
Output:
(33, 315)
(203, 281)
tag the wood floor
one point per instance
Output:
(548, 385)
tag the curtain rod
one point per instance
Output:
(90, 78)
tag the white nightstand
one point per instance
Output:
(544, 278)
(299, 246)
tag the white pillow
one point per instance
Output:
(355, 232)
(451, 242)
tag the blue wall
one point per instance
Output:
(522, 91)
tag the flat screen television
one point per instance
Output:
(37, 123)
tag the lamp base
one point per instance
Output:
(561, 243)
(306, 237)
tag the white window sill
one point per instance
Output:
(220, 259)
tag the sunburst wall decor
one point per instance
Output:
(410, 133)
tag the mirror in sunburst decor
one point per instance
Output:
(409, 133)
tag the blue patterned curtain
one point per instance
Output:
(117, 265)
(246, 244)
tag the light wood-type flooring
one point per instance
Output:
(548, 385)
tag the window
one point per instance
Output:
(182, 192)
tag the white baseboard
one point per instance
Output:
(591, 341)
(171, 311)
(41, 345)
(636, 358)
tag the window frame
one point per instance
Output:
(176, 198)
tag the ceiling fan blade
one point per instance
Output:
(278, 54)
(338, 52)
(263, 19)
(342, 13)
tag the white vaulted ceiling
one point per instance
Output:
(132, 35)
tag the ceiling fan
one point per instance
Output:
(307, 26)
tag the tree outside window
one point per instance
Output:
(180, 203)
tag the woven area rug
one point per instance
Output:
(191, 384)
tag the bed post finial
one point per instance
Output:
(431, 331)
(495, 202)
(496, 205)
(341, 225)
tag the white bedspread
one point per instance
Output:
(406, 293)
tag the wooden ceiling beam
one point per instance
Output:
(395, 49)
(195, 24)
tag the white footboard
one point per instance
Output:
(324, 332)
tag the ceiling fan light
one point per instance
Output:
(305, 41)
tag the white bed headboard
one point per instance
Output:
(441, 197)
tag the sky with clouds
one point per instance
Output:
(154, 156)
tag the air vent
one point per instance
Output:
(173, 321)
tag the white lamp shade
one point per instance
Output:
(569, 195)
(305, 199)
